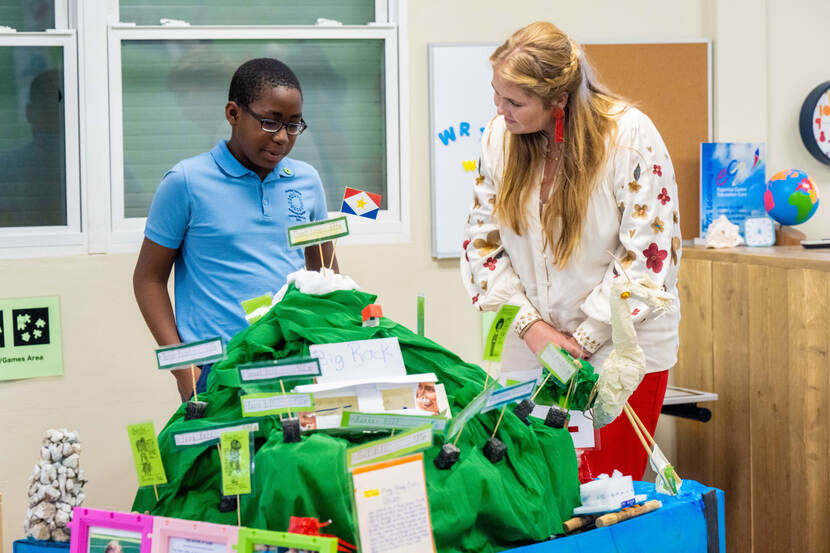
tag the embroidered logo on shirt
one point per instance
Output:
(296, 209)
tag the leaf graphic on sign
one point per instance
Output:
(25, 337)
(37, 333)
(40, 323)
(23, 321)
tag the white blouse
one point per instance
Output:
(632, 213)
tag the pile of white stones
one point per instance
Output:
(55, 487)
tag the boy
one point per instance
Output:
(221, 217)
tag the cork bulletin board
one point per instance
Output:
(670, 82)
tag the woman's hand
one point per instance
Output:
(540, 334)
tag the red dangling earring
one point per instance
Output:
(559, 117)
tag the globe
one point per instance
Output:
(791, 197)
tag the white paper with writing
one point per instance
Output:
(392, 508)
(360, 359)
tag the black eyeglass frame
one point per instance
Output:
(301, 126)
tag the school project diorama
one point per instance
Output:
(327, 426)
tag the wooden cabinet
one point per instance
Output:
(756, 330)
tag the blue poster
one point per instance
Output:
(732, 182)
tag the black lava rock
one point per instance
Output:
(523, 410)
(290, 430)
(557, 417)
(447, 457)
(195, 410)
(494, 450)
(227, 503)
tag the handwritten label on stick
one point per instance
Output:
(494, 345)
(191, 353)
(557, 363)
(210, 434)
(148, 464)
(471, 410)
(280, 368)
(318, 231)
(359, 359)
(389, 448)
(510, 394)
(259, 405)
(391, 421)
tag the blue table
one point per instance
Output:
(692, 522)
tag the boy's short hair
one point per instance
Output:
(251, 76)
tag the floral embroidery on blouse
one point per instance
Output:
(664, 196)
(657, 225)
(640, 211)
(654, 257)
(658, 170)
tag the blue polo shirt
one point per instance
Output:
(230, 229)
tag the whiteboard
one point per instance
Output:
(460, 106)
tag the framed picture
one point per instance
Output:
(95, 531)
(173, 535)
(267, 541)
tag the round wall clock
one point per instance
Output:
(814, 122)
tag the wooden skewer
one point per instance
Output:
(631, 410)
(498, 422)
(539, 389)
(487, 374)
(193, 379)
(455, 441)
(322, 261)
(282, 387)
(156, 490)
(637, 431)
(238, 511)
(331, 259)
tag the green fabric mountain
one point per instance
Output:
(476, 506)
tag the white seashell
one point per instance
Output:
(723, 234)
(60, 534)
(54, 435)
(44, 453)
(55, 452)
(66, 449)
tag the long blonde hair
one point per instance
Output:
(544, 62)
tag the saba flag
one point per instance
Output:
(358, 202)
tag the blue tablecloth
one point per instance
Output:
(680, 526)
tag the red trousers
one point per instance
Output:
(619, 446)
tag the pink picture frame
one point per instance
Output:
(166, 528)
(83, 519)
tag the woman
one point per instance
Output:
(570, 177)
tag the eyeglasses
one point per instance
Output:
(272, 126)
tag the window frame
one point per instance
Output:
(391, 225)
(35, 241)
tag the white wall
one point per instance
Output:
(110, 379)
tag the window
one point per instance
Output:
(99, 99)
(39, 182)
(169, 85)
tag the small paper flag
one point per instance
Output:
(358, 202)
(236, 462)
(148, 464)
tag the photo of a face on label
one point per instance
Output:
(426, 397)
